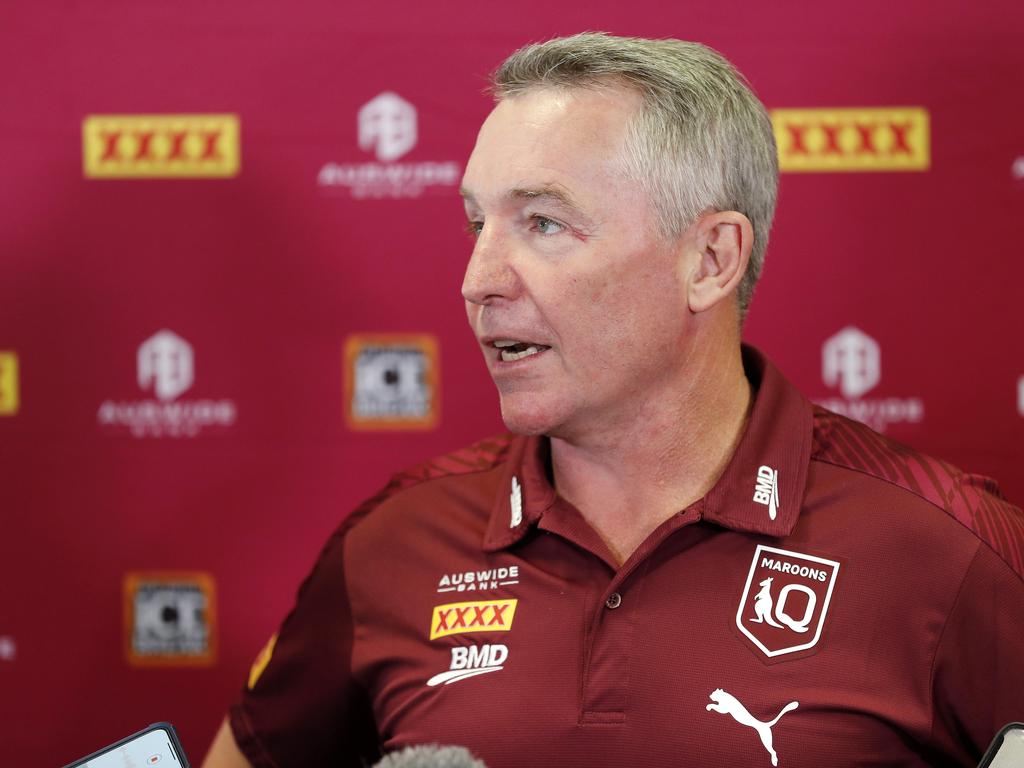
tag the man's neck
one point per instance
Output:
(630, 477)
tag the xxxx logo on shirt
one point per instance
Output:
(785, 600)
(479, 616)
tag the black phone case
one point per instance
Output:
(997, 742)
(175, 745)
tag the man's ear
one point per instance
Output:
(721, 241)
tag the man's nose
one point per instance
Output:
(489, 274)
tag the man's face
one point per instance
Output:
(575, 298)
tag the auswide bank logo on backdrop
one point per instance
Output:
(169, 619)
(160, 146)
(9, 396)
(853, 139)
(392, 381)
(387, 126)
(851, 362)
(165, 364)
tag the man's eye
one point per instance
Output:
(546, 226)
(473, 228)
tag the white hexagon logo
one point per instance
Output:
(165, 363)
(387, 125)
(852, 360)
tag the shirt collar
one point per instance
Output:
(524, 493)
(760, 491)
(768, 471)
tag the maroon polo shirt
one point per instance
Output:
(836, 599)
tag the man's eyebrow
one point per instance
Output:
(555, 192)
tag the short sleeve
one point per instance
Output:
(978, 673)
(302, 706)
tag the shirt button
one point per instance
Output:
(614, 601)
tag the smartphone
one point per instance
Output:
(156, 745)
(1007, 750)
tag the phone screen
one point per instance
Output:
(148, 748)
(1011, 751)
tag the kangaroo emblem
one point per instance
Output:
(727, 704)
(763, 605)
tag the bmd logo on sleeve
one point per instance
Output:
(786, 600)
(479, 616)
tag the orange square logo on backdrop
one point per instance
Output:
(392, 381)
(160, 146)
(852, 139)
(170, 619)
(8, 383)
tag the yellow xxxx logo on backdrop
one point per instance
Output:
(160, 146)
(8, 383)
(853, 139)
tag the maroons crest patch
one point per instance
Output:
(785, 601)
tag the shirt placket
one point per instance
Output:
(609, 648)
(614, 609)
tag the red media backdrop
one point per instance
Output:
(178, 429)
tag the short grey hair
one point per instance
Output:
(702, 141)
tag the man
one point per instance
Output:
(678, 560)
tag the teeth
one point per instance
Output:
(510, 350)
(508, 356)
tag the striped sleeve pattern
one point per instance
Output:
(975, 501)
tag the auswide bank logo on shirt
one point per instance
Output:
(785, 600)
(474, 581)
(481, 616)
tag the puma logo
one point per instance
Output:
(727, 704)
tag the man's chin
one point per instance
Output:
(525, 418)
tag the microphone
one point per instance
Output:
(430, 756)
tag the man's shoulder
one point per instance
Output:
(480, 457)
(975, 501)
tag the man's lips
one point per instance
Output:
(509, 350)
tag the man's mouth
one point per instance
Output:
(510, 350)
